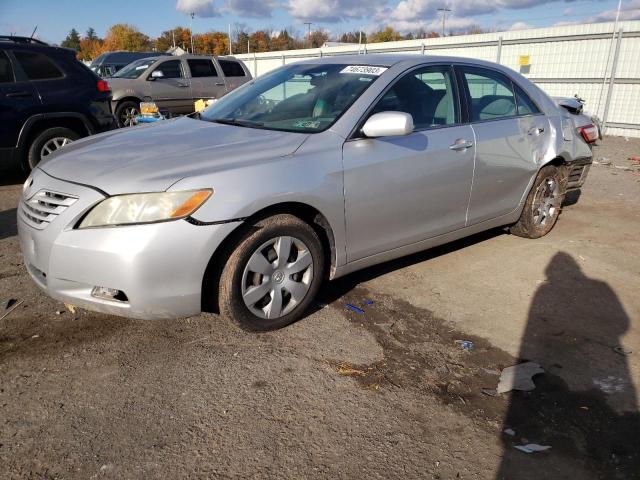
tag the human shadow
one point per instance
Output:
(584, 406)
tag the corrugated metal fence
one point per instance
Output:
(593, 61)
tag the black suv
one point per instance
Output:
(47, 99)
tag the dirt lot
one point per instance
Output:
(384, 394)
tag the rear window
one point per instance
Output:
(202, 68)
(231, 68)
(6, 72)
(36, 66)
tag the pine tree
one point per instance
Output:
(72, 41)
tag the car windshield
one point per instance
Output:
(134, 69)
(296, 98)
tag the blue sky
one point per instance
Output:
(56, 17)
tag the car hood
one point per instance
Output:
(154, 157)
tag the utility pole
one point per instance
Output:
(191, 31)
(230, 50)
(308, 24)
(444, 17)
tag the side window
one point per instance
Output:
(491, 94)
(6, 72)
(231, 68)
(202, 68)
(427, 94)
(36, 66)
(525, 104)
(170, 69)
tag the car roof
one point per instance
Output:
(391, 59)
(125, 55)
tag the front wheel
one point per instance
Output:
(47, 142)
(272, 275)
(542, 207)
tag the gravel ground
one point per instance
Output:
(384, 394)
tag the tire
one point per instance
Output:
(543, 204)
(280, 295)
(125, 112)
(47, 142)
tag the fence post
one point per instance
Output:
(422, 48)
(255, 65)
(499, 55)
(283, 62)
(612, 81)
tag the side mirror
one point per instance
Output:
(388, 124)
(156, 74)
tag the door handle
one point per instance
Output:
(182, 85)
(219, 84)
(461, 144)
(19, 94)
(536, 131)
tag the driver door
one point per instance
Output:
(172, 90)
(401, 190)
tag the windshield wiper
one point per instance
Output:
(238, 122)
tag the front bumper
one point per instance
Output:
(159, 267)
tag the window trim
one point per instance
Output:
(240, 64)
(356, 132)
(152, 68)
(11, 68)
(460, 67)
(215, 67)
(23, 77)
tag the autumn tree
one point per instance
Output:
(181, 35)
(353, 37)
(72, 40)
(91, 46)
(388, 34)
(212, 43)
(317, 39)
(260, 41)
(123, 36)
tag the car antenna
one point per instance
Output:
(34, 32)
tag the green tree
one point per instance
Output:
(386, 35)
(72, 41)
(91, 34)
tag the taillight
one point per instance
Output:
(103, 86)
(589, 133)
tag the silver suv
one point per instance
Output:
(174, 83)
(315, 170)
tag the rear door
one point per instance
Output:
(234, 73)
(18, 101)
(401, 190)
(206, 80)
(172, 90)
(509, 142)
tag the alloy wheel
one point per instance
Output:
(54, 144)
(277, 277)
(128, 116)
(546, 203)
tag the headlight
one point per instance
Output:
(145, 208)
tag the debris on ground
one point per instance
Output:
(354, 308)
(71, 308)
(519, 377)
(348, 371)
(466, 344)
(532, 447)
(491, 392)
(10, 306)
(622, 351)
(9, 303)
(603, 161)
(510, 431)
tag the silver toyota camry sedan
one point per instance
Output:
(310, 172)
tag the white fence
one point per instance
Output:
(567, 60)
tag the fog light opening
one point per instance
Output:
(107, 293)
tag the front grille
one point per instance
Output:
(43, 207)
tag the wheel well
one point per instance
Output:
(72, 123)
(563, 166)
(310, 215)
(127, 99)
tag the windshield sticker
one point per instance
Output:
(364, 69)
(307, 124)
